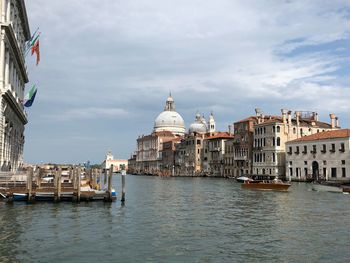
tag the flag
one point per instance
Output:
(29, 99)
(35, 49)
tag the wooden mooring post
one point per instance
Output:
(78, 184)
(30, 184)
(123, 187)
(110, 183)
(58, 176)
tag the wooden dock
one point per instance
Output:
(40, 185)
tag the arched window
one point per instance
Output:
(294, 130)
(273, 129)
(278, 141)
(278, 128)
(273, 141)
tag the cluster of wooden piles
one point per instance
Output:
(76, 186)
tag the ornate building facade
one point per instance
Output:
(272, 132)
(13, 77)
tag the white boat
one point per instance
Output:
(324, 187)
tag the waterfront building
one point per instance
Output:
(149, 152)
(168, 156)
(168, 126)
(214, 153)
(13, 77)
(118, 164)
(188, 155)
(272, 132)
(324, 155)
(238, 155)
(132, 164)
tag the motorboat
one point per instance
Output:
(272, 185)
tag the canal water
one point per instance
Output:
(182, 220)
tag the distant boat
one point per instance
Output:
(275, 184)
(44, 196)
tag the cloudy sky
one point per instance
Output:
(107, 67)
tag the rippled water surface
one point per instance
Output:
(182, 220)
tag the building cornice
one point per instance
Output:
(15, 106)
(16, 51)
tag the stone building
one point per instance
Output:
(272, 132)
(188, 155)
(238, 155)
(168, 157)
(118, 164)
(324, 155)
(214, 153)
(13, 77)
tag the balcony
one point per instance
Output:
(214, 149)
(332, 150)
(296, 152)
(289, 153)
(323, 151)
(304, 152)
(342, 150)
(313, 151)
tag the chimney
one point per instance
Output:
(337, 122)
(284, 115)
(290, 117)
(297, 115)
(230, 129)
(332, 116)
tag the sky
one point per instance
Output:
(107, 67)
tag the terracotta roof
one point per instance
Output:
(220, 135)
(251, 118)
(343, 133)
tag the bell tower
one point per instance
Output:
(211, 123)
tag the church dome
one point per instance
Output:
(199, 126)
(169, 119)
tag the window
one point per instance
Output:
(301, 132)
(198, 151)
(290, 163)
(273, 141)
(343, 172)
(305, 162)
(324, 162)
(198, 142)
(297, 150)
(278, 141)
(342, 147)
(305, 172)
(278, 128)
(334, 172)
(324, 148)
(273, 129)
(313, 149)
(332, 150)
(273, 157)
(290, 171)
(294, 130)
(343, 162)
(290, 150)
(305, 149)
(264, 129)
